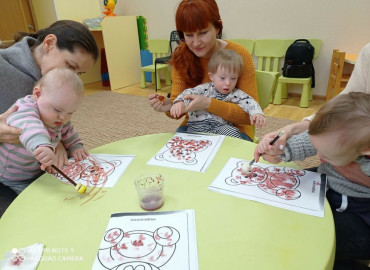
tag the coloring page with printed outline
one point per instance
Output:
(97, 170)
(287, 188)
(188, 151)
(149, 241)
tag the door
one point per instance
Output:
(15, 16)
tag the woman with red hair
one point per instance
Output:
(199, 26)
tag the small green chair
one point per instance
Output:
(159, 48)
(269, 53)
(245, 42)
(282, 84)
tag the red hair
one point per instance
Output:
(191, 16)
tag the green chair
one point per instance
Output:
(282, 84)
(265, 86)
(269, 53)
(245, 42)
(159, 48)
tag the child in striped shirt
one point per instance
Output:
(224, 69)
(44, 118)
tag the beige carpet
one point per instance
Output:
(107, 116)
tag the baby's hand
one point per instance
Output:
(45, 155)
(177, 109)
(79, 154)
(258, 120)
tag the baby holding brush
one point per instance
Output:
(44, 118)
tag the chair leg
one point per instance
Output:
(274, 90)
(168, 78)
(284, 91)
(142, 80)
(277, 98)
(305, 96)
(158, 81)
(310, 92)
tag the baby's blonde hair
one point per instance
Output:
(226, 59)
(348, 114)
(58, 77)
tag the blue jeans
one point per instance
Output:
(184, 129)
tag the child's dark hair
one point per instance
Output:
(346, 112)
(70, 34)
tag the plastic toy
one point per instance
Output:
(109, 6)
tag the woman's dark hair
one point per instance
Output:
(70, 34)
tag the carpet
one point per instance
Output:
(108, 116)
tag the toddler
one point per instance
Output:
(224, 69)
(340, 135)
(43, 118)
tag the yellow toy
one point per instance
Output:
(109, 6)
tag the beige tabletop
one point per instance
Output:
(232, 233)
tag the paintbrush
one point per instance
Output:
(79, 187)
(247, 166)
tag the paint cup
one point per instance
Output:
(149, 188)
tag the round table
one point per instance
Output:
(232, 233)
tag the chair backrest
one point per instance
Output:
(245, 42)
(335, 76)
(269, 53)
(159, 48)
(265, 85)
(174, 37)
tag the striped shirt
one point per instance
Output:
(16, 160)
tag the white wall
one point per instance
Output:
(340, 24)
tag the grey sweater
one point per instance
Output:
(18, 72)
(299, 147)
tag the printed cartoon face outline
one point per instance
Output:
(91, 171)
(98, 172)
(183, 150)
(138, 248)
(280, 182)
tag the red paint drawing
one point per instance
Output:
(138, 249)
(277, 181)
(188, 151)
(289, 188)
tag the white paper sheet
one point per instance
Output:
(187, 151)
(149, 241)
(98, 170)
(287, 188)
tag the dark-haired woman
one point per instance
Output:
(65, 43)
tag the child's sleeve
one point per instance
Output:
(298, 147)
(34, 133)
(247, 103)
(70, 138)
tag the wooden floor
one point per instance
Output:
(289, 109)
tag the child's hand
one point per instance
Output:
(79, 154)
(159, 104)
(45, 155)
(258, 120)
(177, 109)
